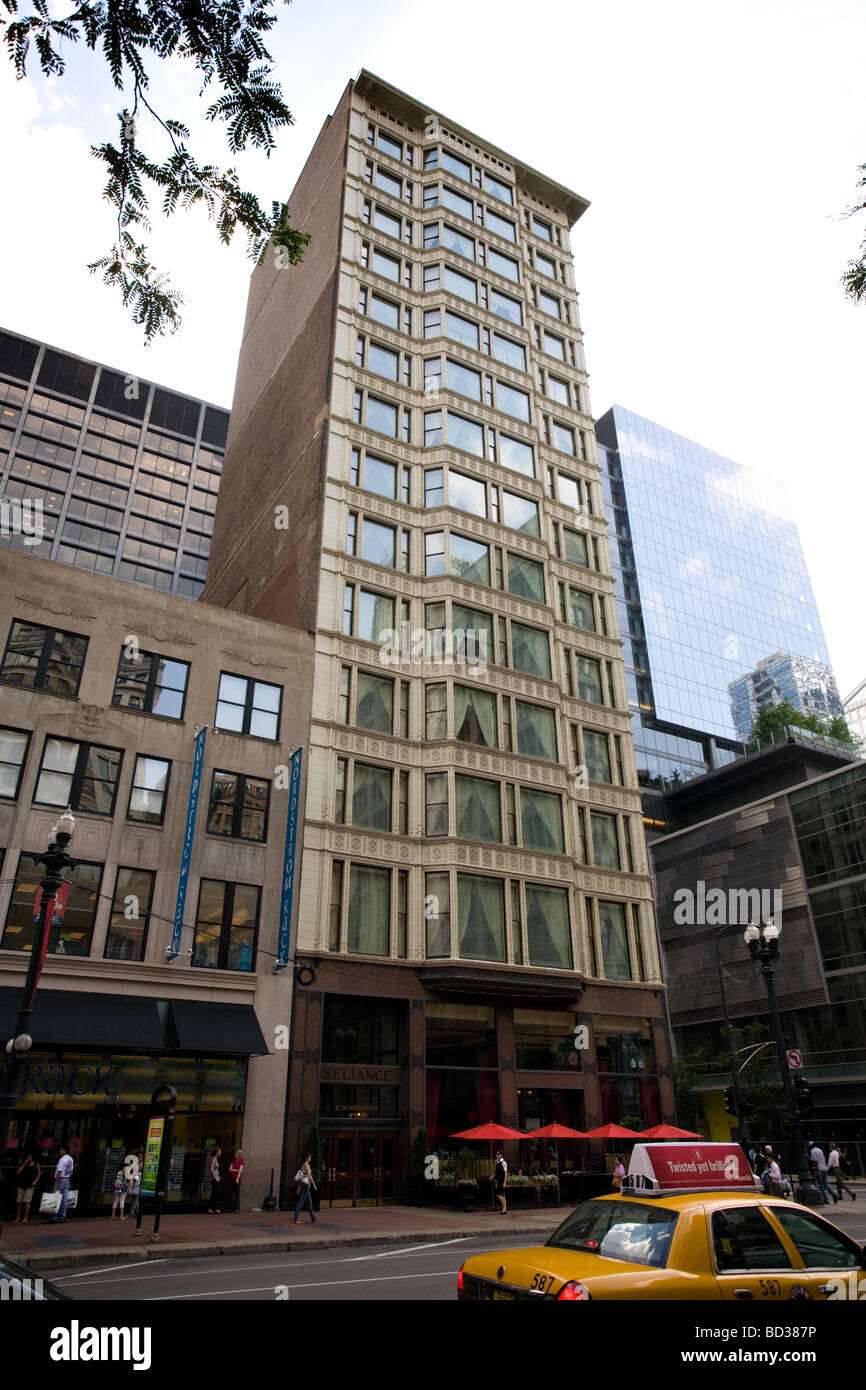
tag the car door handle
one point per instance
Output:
(743, 1293)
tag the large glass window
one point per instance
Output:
(13, 751)
(520, 513)
(383, 361)
(375, 616)
(369, 910)
(589, 680)
(437, 916)
(378, 543)
(478, 809)
(238, 806)
(512, 401)
(388, 184)
(576, 551)
(149, 789)
(581, 609)
(456, 241)
(473, 633)
(465, 434)
(507, 351)
(516, 454)
(463, 380)
(130, 914)
(379, 476)
(457, 166)
(548, 933)
(498, 189)
(502, 226)
(387, 266)
(503, 265)
(385, 311)
(474, 716)
(226, 925)
(456, 202)
(605, 845)
(506, 307)
(526, 578)
(530, 650)
(468, 494)
(73, 912)
(461, 285)
(371, 797)
(43, 658)
(460, 1035)
(381, 416)
(470, 559)
(597, 755)
(480, 918)
(614, 940)
(536, 731)
(541, 818)
(151, 683)
(461, 330)
(81, 775)
(374, 703)
(544, 1040)
(248, 707)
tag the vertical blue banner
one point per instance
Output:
(192, 808)
(284, 933)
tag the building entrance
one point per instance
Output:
(359, 1169)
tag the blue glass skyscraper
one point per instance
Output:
(710, 579)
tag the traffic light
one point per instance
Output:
(730, 1102)
(803, 1097)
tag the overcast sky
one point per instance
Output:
(718, 144)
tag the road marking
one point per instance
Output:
(115, 1269)
(407, 1250)
(324, 1284)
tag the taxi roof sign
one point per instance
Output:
(671, 1168)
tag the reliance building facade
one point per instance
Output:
(411, 475)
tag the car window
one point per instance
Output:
(819, 1245)
(744, 1239)
(632, 1231)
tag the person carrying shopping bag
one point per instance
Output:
(306, 1188)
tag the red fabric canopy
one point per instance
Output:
(489, 1131)
(669, 1132)
(554, 1131)
(611, 1132)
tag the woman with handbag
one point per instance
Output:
(306, 1187)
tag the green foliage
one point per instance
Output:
(420, 1150)
(773, 719)
(223, 40)
(314, 1144)
(854, 278)
(689, 1073)
(760, 1084)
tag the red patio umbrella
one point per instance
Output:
(611, 1132)
(669, 1132)
(489, 1131)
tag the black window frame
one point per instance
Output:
(241, 779)
(12, 729)
(155, 659)
(251, 681)
(134, 786)
(51, 633)
(113, 911)
(226, 924)
(78, 775)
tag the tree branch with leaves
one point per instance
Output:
(224, 42)
(854, 278)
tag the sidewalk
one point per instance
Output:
(96, 1241)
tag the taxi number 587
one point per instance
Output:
(771, 1288)
(542, 1282)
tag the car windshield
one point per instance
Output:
(631, 1231)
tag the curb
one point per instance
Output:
(202, 1249)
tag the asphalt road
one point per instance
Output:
(419, 1273)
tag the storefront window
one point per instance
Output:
(361, 1031)
(623, 1045)
(458, 1100)
(460, 1035)
(544, 1040)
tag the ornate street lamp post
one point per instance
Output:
(55, 859)
(763, 944)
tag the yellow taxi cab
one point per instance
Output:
(690, 1222)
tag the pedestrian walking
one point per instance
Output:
(26, 1177)
(236, 1172)
(819, 1170)
(62, 1175)
(134, 1190)
(214, 1209)
(834, 1170)
(499, 1177)
(762, 1166)
(119, 1196)
(618, 1172)
(775, 1173)
(305, 1187)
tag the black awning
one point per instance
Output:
(67, 1018)
(217, 1029)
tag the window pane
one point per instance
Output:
(456, 166)
(384, 222)
(512, 401)
(436, 723)
(563, 439)
(381, 416)
(497, 188)
(605, 847)
(254, 810)
(375, 616)
(369, 910)
(503, 265)
(456, 241)
(478, 812)
(383, 311)
(576, 551)
(597, 754)
(582, 609)
(514, 453)
(465, 434)
(383, 361)
(614, 947)
(434, 552)
(461, 285)
(436, 804)
(481, 918)
(389, 184)
(541, 819)
(456, 202)
(371, 797)
(385, 265)
(547, 927)
(554, 346)
(557, 390)
(13, 747)
(473, 633)
(536, 731)
(506, 307)
(548, 304)
(506, 350)
(470, 559)
(377, 543)
(526, 578)
(466, 493)
(589, 679)
(129, 914)
(461, 330)
(380, 477)
(474, 716)
(520, 513)
(374, 705)
(437, 915)
(463, 379)
(389, 145)
(500, 225)
(530, 650)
